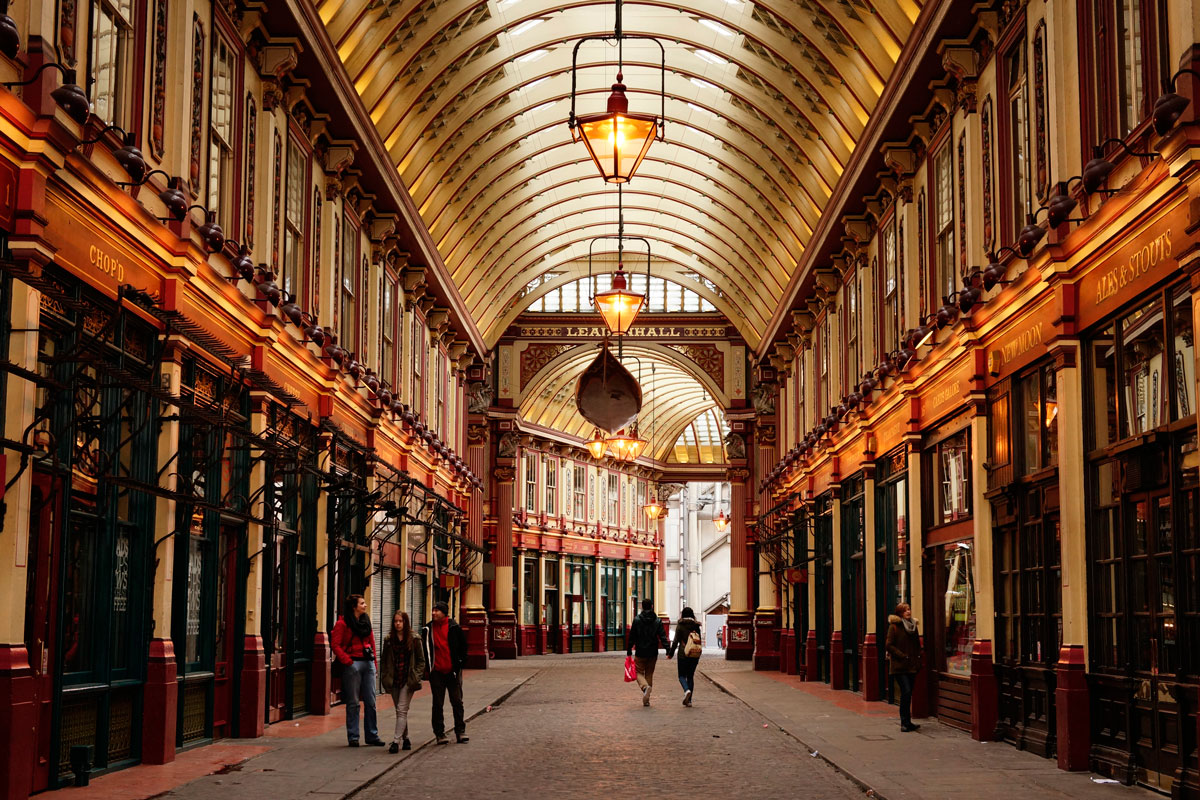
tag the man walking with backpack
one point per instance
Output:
(646, 635)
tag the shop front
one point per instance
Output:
(949, 568)
(612, 603)
(1144, 540)
(892, 579)
(821, 635)
(853, 580)
(579, 610)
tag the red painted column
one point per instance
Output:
(18, 714)
(870, 669)
(811, 673)
(740, 622)
(837, 661)
(473, 615)
(502, 639)
(985, 698)
(253, 681)
(1073, 715)
(320, 685)
(161, 704)
(787, 651)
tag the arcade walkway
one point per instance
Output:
(580, 732)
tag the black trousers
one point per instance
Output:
(443, 683)
(906, 681)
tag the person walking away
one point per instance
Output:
(353, 644)
(689, 651)
(446, 653)
(401, 668)
(904, 659)
(646, 635)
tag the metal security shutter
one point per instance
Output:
(416, 600)
(377, 612)
(384, 601)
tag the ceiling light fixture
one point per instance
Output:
(617, 140)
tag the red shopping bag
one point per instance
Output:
(630, 670)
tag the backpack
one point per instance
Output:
(693, 647)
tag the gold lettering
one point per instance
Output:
(107, 264)
(1140, 263)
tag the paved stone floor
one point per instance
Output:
(575, 730)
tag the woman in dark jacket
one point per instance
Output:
(687, 664)
(904, 659)
(353, 644)
(401, 669)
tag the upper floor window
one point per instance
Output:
(531, 476)
(389, 327)
(850, 329)
(348, 291)
(418, 366)
(1129, 59)
(641, 503)
(112, 60)
(580, 491)
(294, 281)
(823, 389)
(220, 132)
(551, 487)
(614, 499)
(889, 325)
(441, 388)
(1017, 120)
(943, 223)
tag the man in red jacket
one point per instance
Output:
(353, 643)
(446, 653)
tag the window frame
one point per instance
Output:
(295, 230)
(551, 466)
(943, 261)
(126, 30)
(348, 293)
(1015, 108)
(531, 481)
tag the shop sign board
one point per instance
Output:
(1135, 267)
(1022, 342)
(889, 431)
(96, 255)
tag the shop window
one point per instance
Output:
(294, 281)
(945, 273)
(530, 611)
(531, 476)
(551, 487)
(111, 60)
(959, 607)
(579, 485)
(1038, 395)
(220, 131)
(550, 593)
(952, 495)
(998, 426)
(1125, 65)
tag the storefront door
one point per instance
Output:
(226, 633)
(1155, 712)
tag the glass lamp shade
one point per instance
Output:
(654, 509)
(619, 306)
(634, 445)
(721, 521)
(616, 140)
(619, 445)
(597, 445)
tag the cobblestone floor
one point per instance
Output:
(577, 730)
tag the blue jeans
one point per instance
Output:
(687, 672)
(358, 682)
(906, 681)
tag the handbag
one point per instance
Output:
(630, 670)
(693, 648)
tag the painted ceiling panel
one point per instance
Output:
(765, 101)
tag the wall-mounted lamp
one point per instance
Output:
(1170, 105)
(69, 97)
(10, 37)
(1096, 171)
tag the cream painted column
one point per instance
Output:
(171, 374)
(321, 682)
(981, 509)
(1072, 504)
(916, 529)
(20, 405)
(253, 678)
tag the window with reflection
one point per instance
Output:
(958, 607)
(531, 477)
(952, 466)
(945, 271)
(579, 489)
(1126, 62)
(111, 60)
(551, 487)
(220, 131)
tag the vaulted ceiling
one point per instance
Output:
(765, 101)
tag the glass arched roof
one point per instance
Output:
(703, 440)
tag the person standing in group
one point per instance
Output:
(446, 653)
(646, 635)
(403, 665)
(689, 651)
(904, 659)
(353, 644)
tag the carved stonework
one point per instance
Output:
(197, 101)
(251, 147)
(737, 474)
(477, 433)
(766, 435)
(479, 397)
(763, 398)
(507, 448)
(1040, 117)
(158, 101)
(708, 357)
(962, 203)
(986, 122)
(735, 445)
(536, 356)
(505, 474)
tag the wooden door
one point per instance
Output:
(225, 635)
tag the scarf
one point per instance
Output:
(360, 626)
(910, 625)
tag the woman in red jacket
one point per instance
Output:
(354, 647)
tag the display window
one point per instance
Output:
(958, 608)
